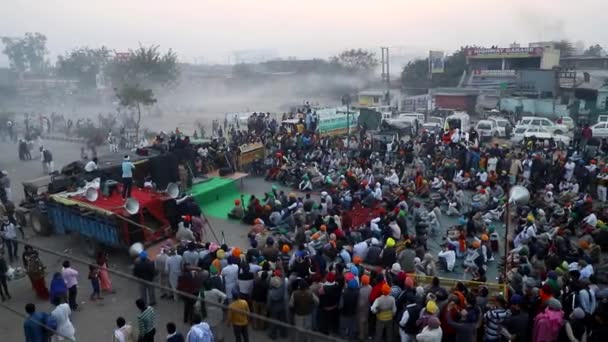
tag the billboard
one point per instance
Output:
(436, 59)
(520, 52)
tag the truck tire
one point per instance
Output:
(558, 131)
(89, 246)
(40, 222)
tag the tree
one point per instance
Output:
(147, 66)
(26, 53)
(415, 75)
(83, 64)
(595, 50)
(565, 47)
(135, 97)
(356, 60)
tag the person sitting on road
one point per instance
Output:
(237, 212)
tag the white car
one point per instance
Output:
(566, 121)
(537, 121)
(520, 133)
(486, 129)
(501, 125)
(436, 119)
(432, 127)
(403, 121)
(600, 130)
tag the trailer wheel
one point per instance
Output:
(89, 246)
(40, 222)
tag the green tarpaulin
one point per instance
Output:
(216, 196)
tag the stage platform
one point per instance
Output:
(216, 195)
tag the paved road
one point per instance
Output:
(95, 321)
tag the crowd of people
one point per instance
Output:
(353, 254)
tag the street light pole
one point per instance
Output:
(346, 101)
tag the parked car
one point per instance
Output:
(520, 133)
(503, 126)
(407, 124)
(536, 121)
(436, 119)
(421, 117)
(432, 127)
(600, 130)
(566, 121)
(486, 129)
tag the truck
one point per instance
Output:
(91, 206)
(460, 120)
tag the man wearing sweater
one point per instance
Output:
(384, 307)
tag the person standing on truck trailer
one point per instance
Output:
(127, 177)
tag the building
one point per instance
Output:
(585, 92)
(371, 98)
(585, 62)
(455, 99)
(526, 71)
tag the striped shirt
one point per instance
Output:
(145, 320)
(494, 319)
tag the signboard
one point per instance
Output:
(436, 62)
(521, 52)
(495, 73)
(567, 79)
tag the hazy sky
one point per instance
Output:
(211, 29)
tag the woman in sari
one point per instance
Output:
(104, 276)
(36, 271)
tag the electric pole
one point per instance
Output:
(386, 73)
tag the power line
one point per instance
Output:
(252, 315)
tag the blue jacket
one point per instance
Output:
(34, 331)
(178, 337)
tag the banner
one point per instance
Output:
(521, 52)
(436, 59)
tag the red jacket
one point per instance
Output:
(376, 292)
(587, 133)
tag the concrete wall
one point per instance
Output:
(550, 59)
(542, 107)
(543, 81)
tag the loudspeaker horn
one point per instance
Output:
(136, 249)
(132, 206)
(91, 194)
(172, 190)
